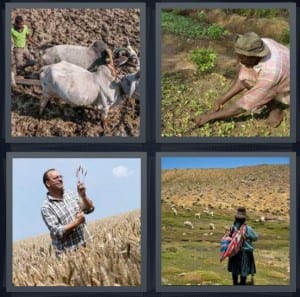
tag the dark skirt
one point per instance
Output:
(242, 264)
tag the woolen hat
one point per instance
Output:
(250, 44)
(241, 213)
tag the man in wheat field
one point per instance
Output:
(63, 212)
(264, 75)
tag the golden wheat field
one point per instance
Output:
(112, 258)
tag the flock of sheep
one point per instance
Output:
(208, 211)
(69, 75)
(189, 224)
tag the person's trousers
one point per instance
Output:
(23, 57)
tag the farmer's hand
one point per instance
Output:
(217, 106)
(81, 190)
(80, 219)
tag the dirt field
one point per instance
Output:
(78, 27)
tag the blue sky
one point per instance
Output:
(219, 162)
(114, 185)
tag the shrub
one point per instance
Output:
(181, 25)
(215, 31)
(204, 58)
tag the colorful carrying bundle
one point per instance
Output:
(232, 242)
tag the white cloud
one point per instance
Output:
(122, 171)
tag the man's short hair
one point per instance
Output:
(45, 176)
(19, 19)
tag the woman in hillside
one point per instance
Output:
(242, 263)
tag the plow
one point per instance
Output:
(28, 81)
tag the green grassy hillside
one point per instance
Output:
(191, 256)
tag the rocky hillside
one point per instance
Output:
(264, 189)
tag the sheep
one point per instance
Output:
(188, 209)
(80, 87)
(206, 210)
(188, 224)
(174, 211)
(212, 226)
(197, 215)
(75, 54)
(261, 219)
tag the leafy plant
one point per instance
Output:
(181, 25)
(215, 31)
(186, 26)
(204, 58)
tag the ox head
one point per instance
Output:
(126, 56)
(130, 83)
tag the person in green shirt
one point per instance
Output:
(20, 33)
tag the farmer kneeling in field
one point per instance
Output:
(63, 212)
(265, 76)
(20, 33)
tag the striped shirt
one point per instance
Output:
(268, 79)
(58, 212)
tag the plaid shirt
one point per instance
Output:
(269, 78)
(58, 212)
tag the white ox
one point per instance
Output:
(88, 57)
(79, 87)
(78, 55)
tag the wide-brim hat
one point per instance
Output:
(241, 213)
(250, 44)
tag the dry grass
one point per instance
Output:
(263, 189)
(113, 258)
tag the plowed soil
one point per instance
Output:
(78, 27)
